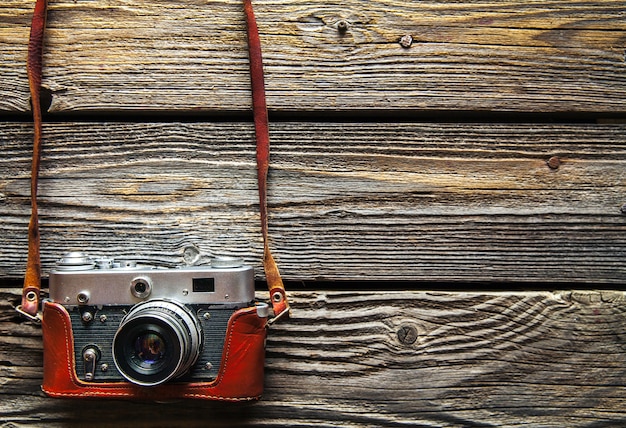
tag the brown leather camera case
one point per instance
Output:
(240, 376)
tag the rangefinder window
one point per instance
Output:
(203, 285)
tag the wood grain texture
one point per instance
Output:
(409, 202)
(549, 359)
(534, 56)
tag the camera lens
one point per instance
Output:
(149, 349)
(157, 341)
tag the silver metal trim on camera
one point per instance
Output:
(262, 310)
(79, 279)
(75, 260)
(224, 262)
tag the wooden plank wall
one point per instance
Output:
(475, 148)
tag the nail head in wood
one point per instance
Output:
(342, 26)
(406, 41)
(554, 162)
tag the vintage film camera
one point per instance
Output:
(114, 328)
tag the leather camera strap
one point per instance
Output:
(32, 279)
(261, 126)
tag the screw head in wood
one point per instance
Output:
(342, 26)
(406, 41)
(554, 162)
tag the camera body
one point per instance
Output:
(114, 328)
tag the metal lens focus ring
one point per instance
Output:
(156, 341)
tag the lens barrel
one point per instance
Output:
(157, 341)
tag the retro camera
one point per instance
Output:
(130, 325)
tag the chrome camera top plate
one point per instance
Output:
(81, 280)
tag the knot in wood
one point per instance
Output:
(407, 334)
(191, 255)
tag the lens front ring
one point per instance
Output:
(157, 341)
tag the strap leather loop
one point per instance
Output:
(32, 278)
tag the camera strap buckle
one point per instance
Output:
(283, 314)
(34, 318)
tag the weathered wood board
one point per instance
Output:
(521, 56)
(413, 202)
(549, 359)
(147, 154)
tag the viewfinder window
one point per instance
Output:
(203, 285)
